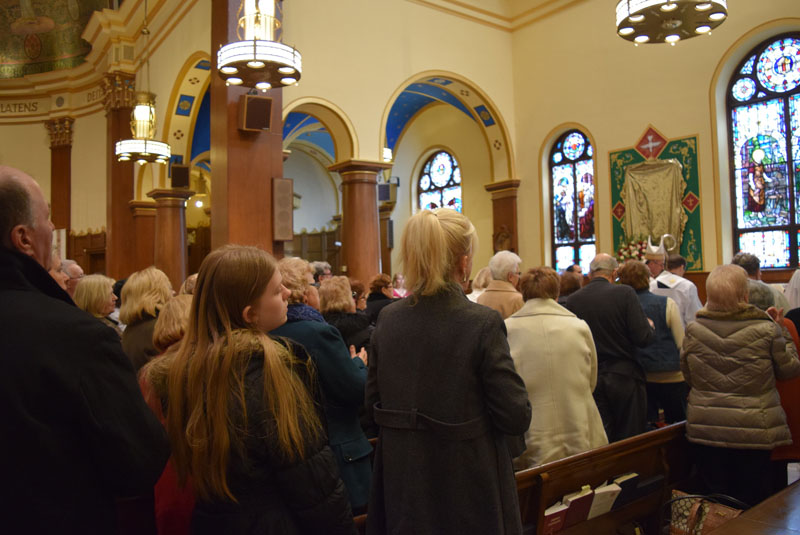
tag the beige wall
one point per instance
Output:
(443, 127)
(27, 147)
(320, 197)
(89, 160)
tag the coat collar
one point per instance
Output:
(500, 286)
(743, 312)
(541, 307)
(22, 272)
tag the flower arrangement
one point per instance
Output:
(633, 250)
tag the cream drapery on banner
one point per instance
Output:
(652, 194)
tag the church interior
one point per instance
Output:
(401, 103)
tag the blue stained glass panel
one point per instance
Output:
(761, 94)
(574, 145)
(430, 200)
(451, 198)
(778, 66)
(748, 67)
(584, 172)
(564, 203)
(565, 257)
(759, 147)
(441, 169)
(794, 124)
(744, 89)
(589, 151)
(557, 157)
(771, 247)
(457, 175)
(586, 253)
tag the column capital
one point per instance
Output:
(143, 208)
(170, 196)
(60, 131)
(503, 189)
(385, 209)
(359, 166)
(119, 90)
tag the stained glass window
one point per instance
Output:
(764, 134)
(572, 200)
(440, 183)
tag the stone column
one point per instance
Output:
(119, 101)
(361, 248)
(60, 131)
(384, 215)
(144, 225)
(504, 214)
(170, 231)
(244, 162)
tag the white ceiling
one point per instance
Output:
(504, 14)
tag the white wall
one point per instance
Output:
(320, 197)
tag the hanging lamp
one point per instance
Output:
(259, 59)
(668, 21)
(143, 148)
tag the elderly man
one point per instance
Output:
(752, 265)
(670, 283)
(76, 431)
(501, 294)
(618, 326)
(75, 273)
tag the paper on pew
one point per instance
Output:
(604, 497)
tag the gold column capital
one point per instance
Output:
(119, 89)
(60, 131)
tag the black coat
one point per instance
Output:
(276, 497)
(75, 430)
(445, 358)
(354, 327)
(375, 303)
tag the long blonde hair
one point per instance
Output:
(205, 381)
(143, 294)
(433, 242)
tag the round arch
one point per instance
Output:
(180, 117)
(336, 122)
(719, 124)
(483, 110)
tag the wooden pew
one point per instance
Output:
(663, 451)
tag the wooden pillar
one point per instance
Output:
(244, 162)
(119, 102)
(504, 214)
(361, 248)
(60, 131)
(144, 229)
(170, 231)
(384, 215)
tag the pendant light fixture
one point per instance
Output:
(668, 21)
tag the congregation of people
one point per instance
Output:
(245, 402)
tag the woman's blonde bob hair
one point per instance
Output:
(726, 288)
(144, 293)
(171, 323)
(295, 277)
(92, 293)
(207, 417)
(432, 244)
(335, 295)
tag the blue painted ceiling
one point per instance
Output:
(313, 132)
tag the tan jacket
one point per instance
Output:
(501, 296)
(731, 361)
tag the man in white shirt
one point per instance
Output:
(670, 283)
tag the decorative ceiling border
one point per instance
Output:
(496, 20)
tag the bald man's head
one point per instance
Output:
(24, 216)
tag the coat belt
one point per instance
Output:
(413, 420)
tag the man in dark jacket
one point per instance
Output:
(76, 432)
(618, 325)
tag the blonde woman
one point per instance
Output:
(443, 389)
(143, 295)
(479, 283)
(243, 409)
(339, 309)
(95, 295)
(342, 375)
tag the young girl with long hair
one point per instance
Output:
(243, 412)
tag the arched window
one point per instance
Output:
(572, 201)
(440, 183)
(763, 105)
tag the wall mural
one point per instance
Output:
(38, 36)
(655, 147)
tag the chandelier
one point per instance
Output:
(143, 148)
(668, 21)
(258, 59)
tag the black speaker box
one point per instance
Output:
(254, 113)
(180, 176)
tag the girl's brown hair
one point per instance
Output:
(205, 381)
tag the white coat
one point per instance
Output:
(554, 354)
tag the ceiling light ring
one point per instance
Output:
(683, 17)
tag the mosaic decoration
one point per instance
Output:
(685, 151)
(764, 111)
(184, 105)
(39, 36)
(484, 114)
(203, 64)
(572, 200)
(440, 183)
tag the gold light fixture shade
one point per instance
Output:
(143, 148)
(259, 59)
(668, 21)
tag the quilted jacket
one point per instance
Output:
(731, 360)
